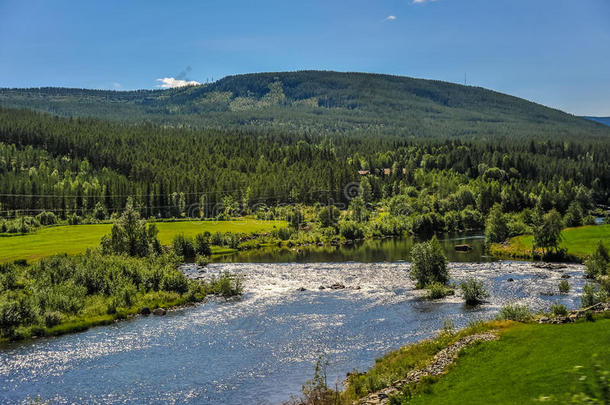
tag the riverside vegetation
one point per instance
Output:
(540, 373)
(129, 273)
(526, 363)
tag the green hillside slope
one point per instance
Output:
(319, 102)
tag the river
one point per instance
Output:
(367, 251)
(259, 349)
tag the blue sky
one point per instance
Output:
(556, 52)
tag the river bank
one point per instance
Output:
(236, 352)
(500, 362)
(578, 243)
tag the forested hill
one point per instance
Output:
(601, 120)
(317, 102)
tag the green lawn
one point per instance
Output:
(580, 242)
(528, 361)
(74, 239)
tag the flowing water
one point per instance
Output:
(261, 348)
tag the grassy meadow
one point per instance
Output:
(579, 242)
(529, 361)
(73, 239)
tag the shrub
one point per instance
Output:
(589, 317)
(473, 291)
(99, 212)
(130, 235)
(15, 311)
(202, 260)
(559, 309)
(175, 281)
(328, 216)
(282, 233)
(591, 295)
(496, 228)
(126, 295)
(74, 219)
(315, 391)
(428, 263)
(52, 318)
(588, 220)
(183, 246)
(448, 328)
(437, 290)
(564, 287)
(228, 285)
(515, 312)
(46, 218)
(351, 230)
(573, 215)
(597, 264)
(202, 245)
(8, 277)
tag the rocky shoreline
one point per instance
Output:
(438, 366)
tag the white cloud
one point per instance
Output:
(170, 83)
(421, 1)
(116, 86)
(390, 18)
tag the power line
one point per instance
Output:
(191, 206)
(135, 195)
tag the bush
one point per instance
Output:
(496, 227)
(559, 310)
(202, 245)
(473, 291)
(130, 235)
(52, 318)
(428, 263)
(515, 312)
(597, 264)
(183, 246)
(437, 291)
(8, 277)
(228, 285)
(564, 287)
(74, 219)
(573, 216)
(99, 212)
(588, 220)
(46, 218)
(88, 285)
(126, 295)
(329, 216)
(351, 230)
(282, 233)
(202, 261)
(591, 295)
(175, 281)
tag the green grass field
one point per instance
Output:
(579, 242)
(72, 239)
(528, 361)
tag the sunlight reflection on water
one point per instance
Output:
(260, 349)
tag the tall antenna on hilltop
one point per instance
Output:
(464, 78)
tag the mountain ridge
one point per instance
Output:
(324, 101)
(601, 120)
